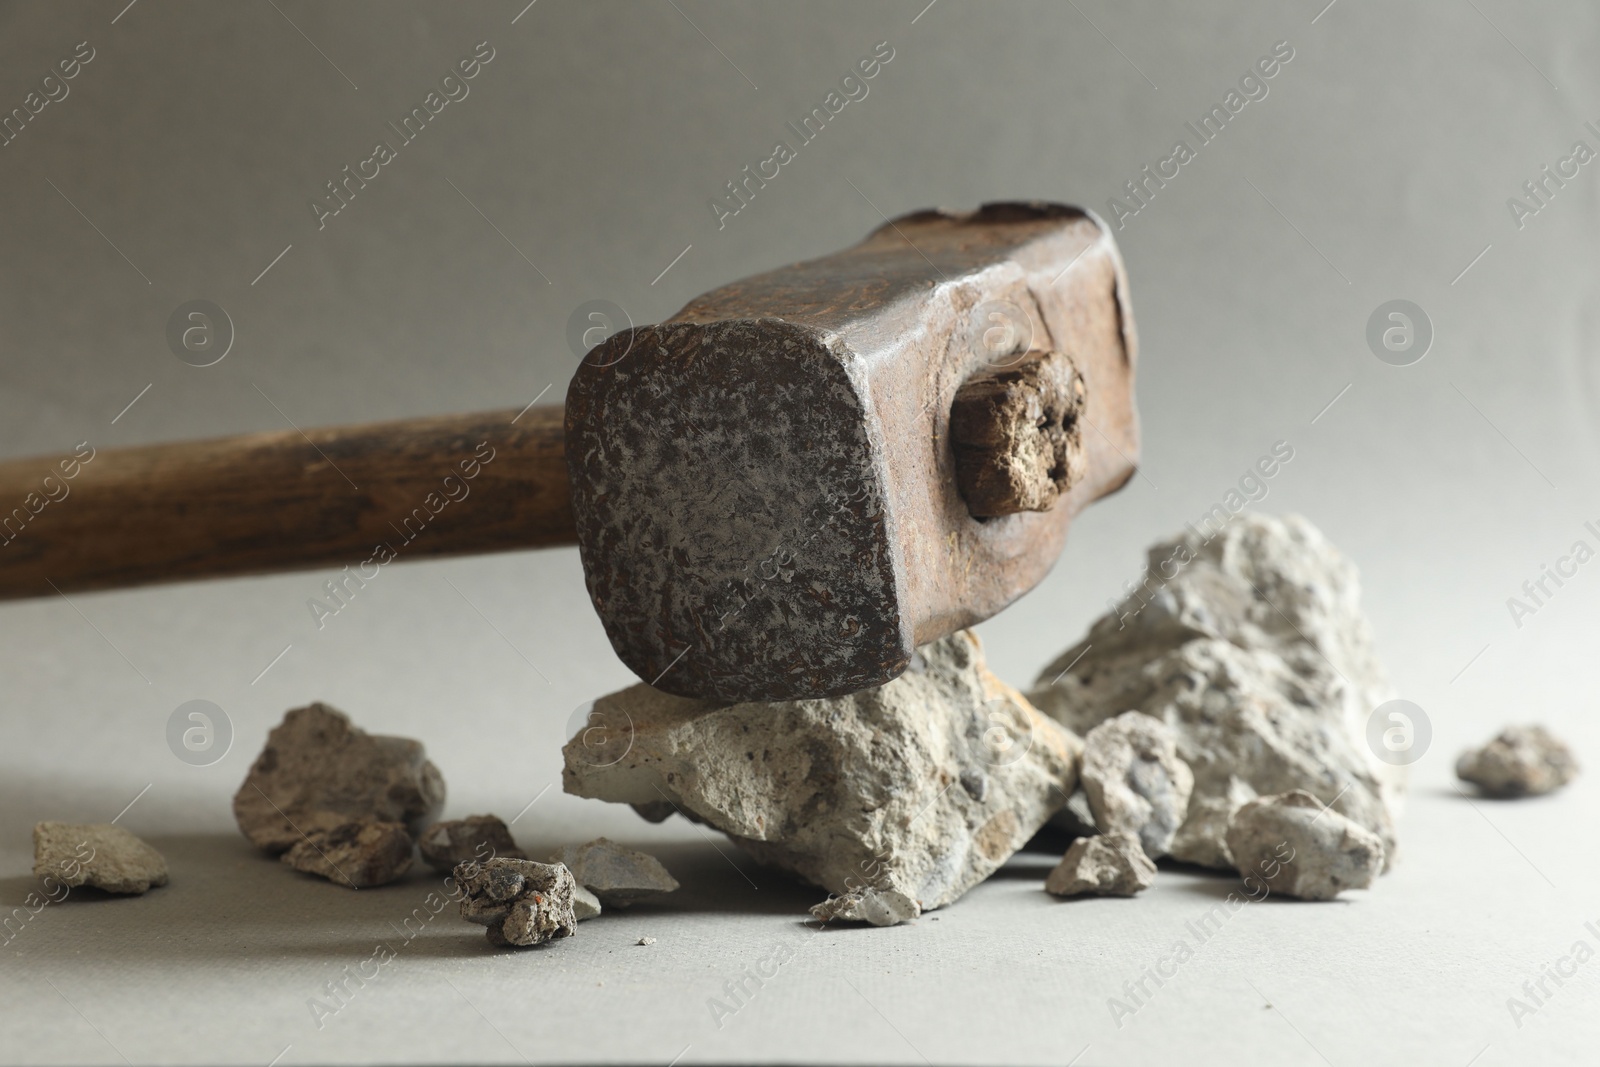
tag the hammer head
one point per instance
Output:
(766, 485)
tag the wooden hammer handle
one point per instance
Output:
(358, 497)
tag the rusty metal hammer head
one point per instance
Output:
(791, 484)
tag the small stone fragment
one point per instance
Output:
(520, 901)
(646, 941)
(1245, 636)
(1135, 781)
(1112, 864)
(585, 905)
(1301, 848)
(100, 855)
(618, 876)
(921, 787)
(357, 854)
(879, 907)
(477, 837)
(318, 771)
(1524, 761)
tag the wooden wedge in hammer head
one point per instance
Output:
(784, 489)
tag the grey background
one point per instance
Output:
(1377, 168)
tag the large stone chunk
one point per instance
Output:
(1250, 644)
(477, 837)
(1301, 848)
(357, 854)
(1108, 865)
(920, 787)
(319, 771)
(100, 855)
(618, 876)
(521, 902)
(1523, 761)
(1134, 780)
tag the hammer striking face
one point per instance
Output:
(772, 498)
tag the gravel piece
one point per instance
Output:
(880, 908)
(520, 901)
(1524, 761)
(1112, 864)
(96, 854)
(357, 854)
(1301, 848)
(585, 905)
(618, 876)
(319, 771)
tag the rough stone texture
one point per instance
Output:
(1523, 761)
(1250, 644)
(618, 876)
(585, 905)
(520, 901)
(357, 854)
(96, 854)
(477, 837)
(1301, 848)
(922, 786)
(1134, 780)
(1112, 864)
(885, 908)
(318, 771)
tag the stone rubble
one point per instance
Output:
(886, 908)
(318, 771)
(1113, 864)
(1523, 761)
(521, 902)
(477, 837)
(585, 905)
(1249, 643)
(357, 854)
(618, 876)
(1301, 848)
(921, 787)
(100, 855)
(1135, 782)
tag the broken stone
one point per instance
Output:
(1113, 864)
(618, 876)
(357, 854)
(520, 901)
(100, 855)
(880, 908)
(319, 771)
(585, 905)
(1524, 761)
(1301, 848)
(477, 837)
(1135, 782)
(1249, 643)
(645, 941)
(920, 787)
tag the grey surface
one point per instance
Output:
(1377, 168)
